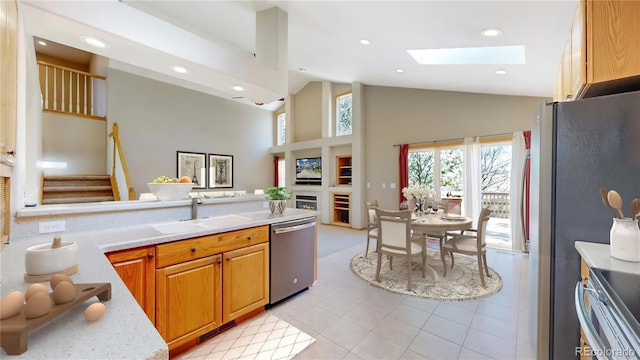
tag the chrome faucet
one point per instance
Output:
(194, 207)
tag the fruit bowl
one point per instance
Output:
(170, 191)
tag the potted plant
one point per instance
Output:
(278, 197)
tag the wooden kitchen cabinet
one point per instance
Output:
(603, 51)
(191, 287)
(245, 281)
(188, 299)
(8, 85)
(136, 268)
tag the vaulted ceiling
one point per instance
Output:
(216, 40)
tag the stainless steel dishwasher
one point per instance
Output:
(291, 252)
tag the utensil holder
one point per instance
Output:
(624, 239)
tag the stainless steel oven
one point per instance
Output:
(610, 320)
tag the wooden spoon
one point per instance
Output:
(603, 194)
(615, 200)
(635, 208)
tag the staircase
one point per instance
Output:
(67, 189)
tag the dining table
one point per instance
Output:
(436, 225)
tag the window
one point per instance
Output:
(282, 128)
(282, 165)
(437, 168)
(343, 115)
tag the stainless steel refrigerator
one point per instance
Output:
(576, 148)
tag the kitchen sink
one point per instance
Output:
(225, 220)
(200, 224)
(179, 227)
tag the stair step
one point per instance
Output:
(74, 200)
(64, 177)
(76, 188)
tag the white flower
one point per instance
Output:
(417, 192)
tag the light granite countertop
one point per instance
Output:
(598, 256)
(124, 332)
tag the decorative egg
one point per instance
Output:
(34, 288)
(94, 311)
(57, 278)
(63, 293)
(11, 304)
(39, 304)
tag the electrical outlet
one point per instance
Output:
(45, 227)
(265, 204)
(392, 185)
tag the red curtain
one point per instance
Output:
(275, 170)
(404, 168)
(527, 176)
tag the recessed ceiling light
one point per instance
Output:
(180, 70)
(302, 69)
(42, 42)
(364, 42)
(501, 72)
(470, 55)
(238, 88)
(94, 42)
(398, 70)
(491, 32)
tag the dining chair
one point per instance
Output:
(439, 204)
(396, 238)
(372, 223)
(469, 245)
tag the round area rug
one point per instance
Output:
(461, 283)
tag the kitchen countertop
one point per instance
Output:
(598, 256)
(124, 331)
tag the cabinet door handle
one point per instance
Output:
(228, 259)
(193, 249)
(219, 261)
(12, 152)
(249, 237)
(150, 256)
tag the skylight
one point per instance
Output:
(470, 55)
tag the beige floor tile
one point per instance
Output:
(446, 329)
(345, 333)
(434, 347)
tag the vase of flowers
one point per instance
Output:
(418, 195)
(278, 197)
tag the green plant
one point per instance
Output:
(278, 193)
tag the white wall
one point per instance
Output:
(156, 120)
(79, 142)
(400, 116)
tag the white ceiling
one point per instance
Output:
(323, 38)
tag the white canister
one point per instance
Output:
(625, 239)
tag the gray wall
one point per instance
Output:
(401, 115)
(156, 119)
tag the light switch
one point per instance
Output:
(368, 185)
(392, 185)
(384, 186)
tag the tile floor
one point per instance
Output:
(351, 319)
(263, 337)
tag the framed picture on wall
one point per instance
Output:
(220, 171)
(193, 165)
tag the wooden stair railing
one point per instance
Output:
(70, 91)
(117, 154)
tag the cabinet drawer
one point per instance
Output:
(196, 248)
(185, 250)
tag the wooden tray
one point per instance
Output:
(15, 329)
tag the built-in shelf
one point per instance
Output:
(342, 209)
(343, 170)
